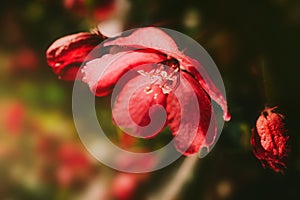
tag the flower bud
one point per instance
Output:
(269, 140)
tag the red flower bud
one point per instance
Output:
(269, 140)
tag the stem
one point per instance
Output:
(174, 186)
(266, 81)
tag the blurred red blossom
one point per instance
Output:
(73, 164)
(25, 59)
(270, 140)
(14, 117)
(46, 147)
(101, 10)
(104, 9)
(69, 162)
(125, 184)
(77, 6)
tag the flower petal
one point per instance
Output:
(149, 37)
(200, 74)
(155, 38)
(139, 113)
(103, 73)
(67, 54)
(192, 130)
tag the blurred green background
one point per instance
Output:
(255, 45)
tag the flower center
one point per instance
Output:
(165, 74)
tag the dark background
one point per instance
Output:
(255, 45)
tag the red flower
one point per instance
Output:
(124, 185)
(77, 6)
(14, 118)
(270, 140)
(101, 9)
(73, 164)
(159, 77)
(104, 9)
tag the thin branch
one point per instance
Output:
(174, 186)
